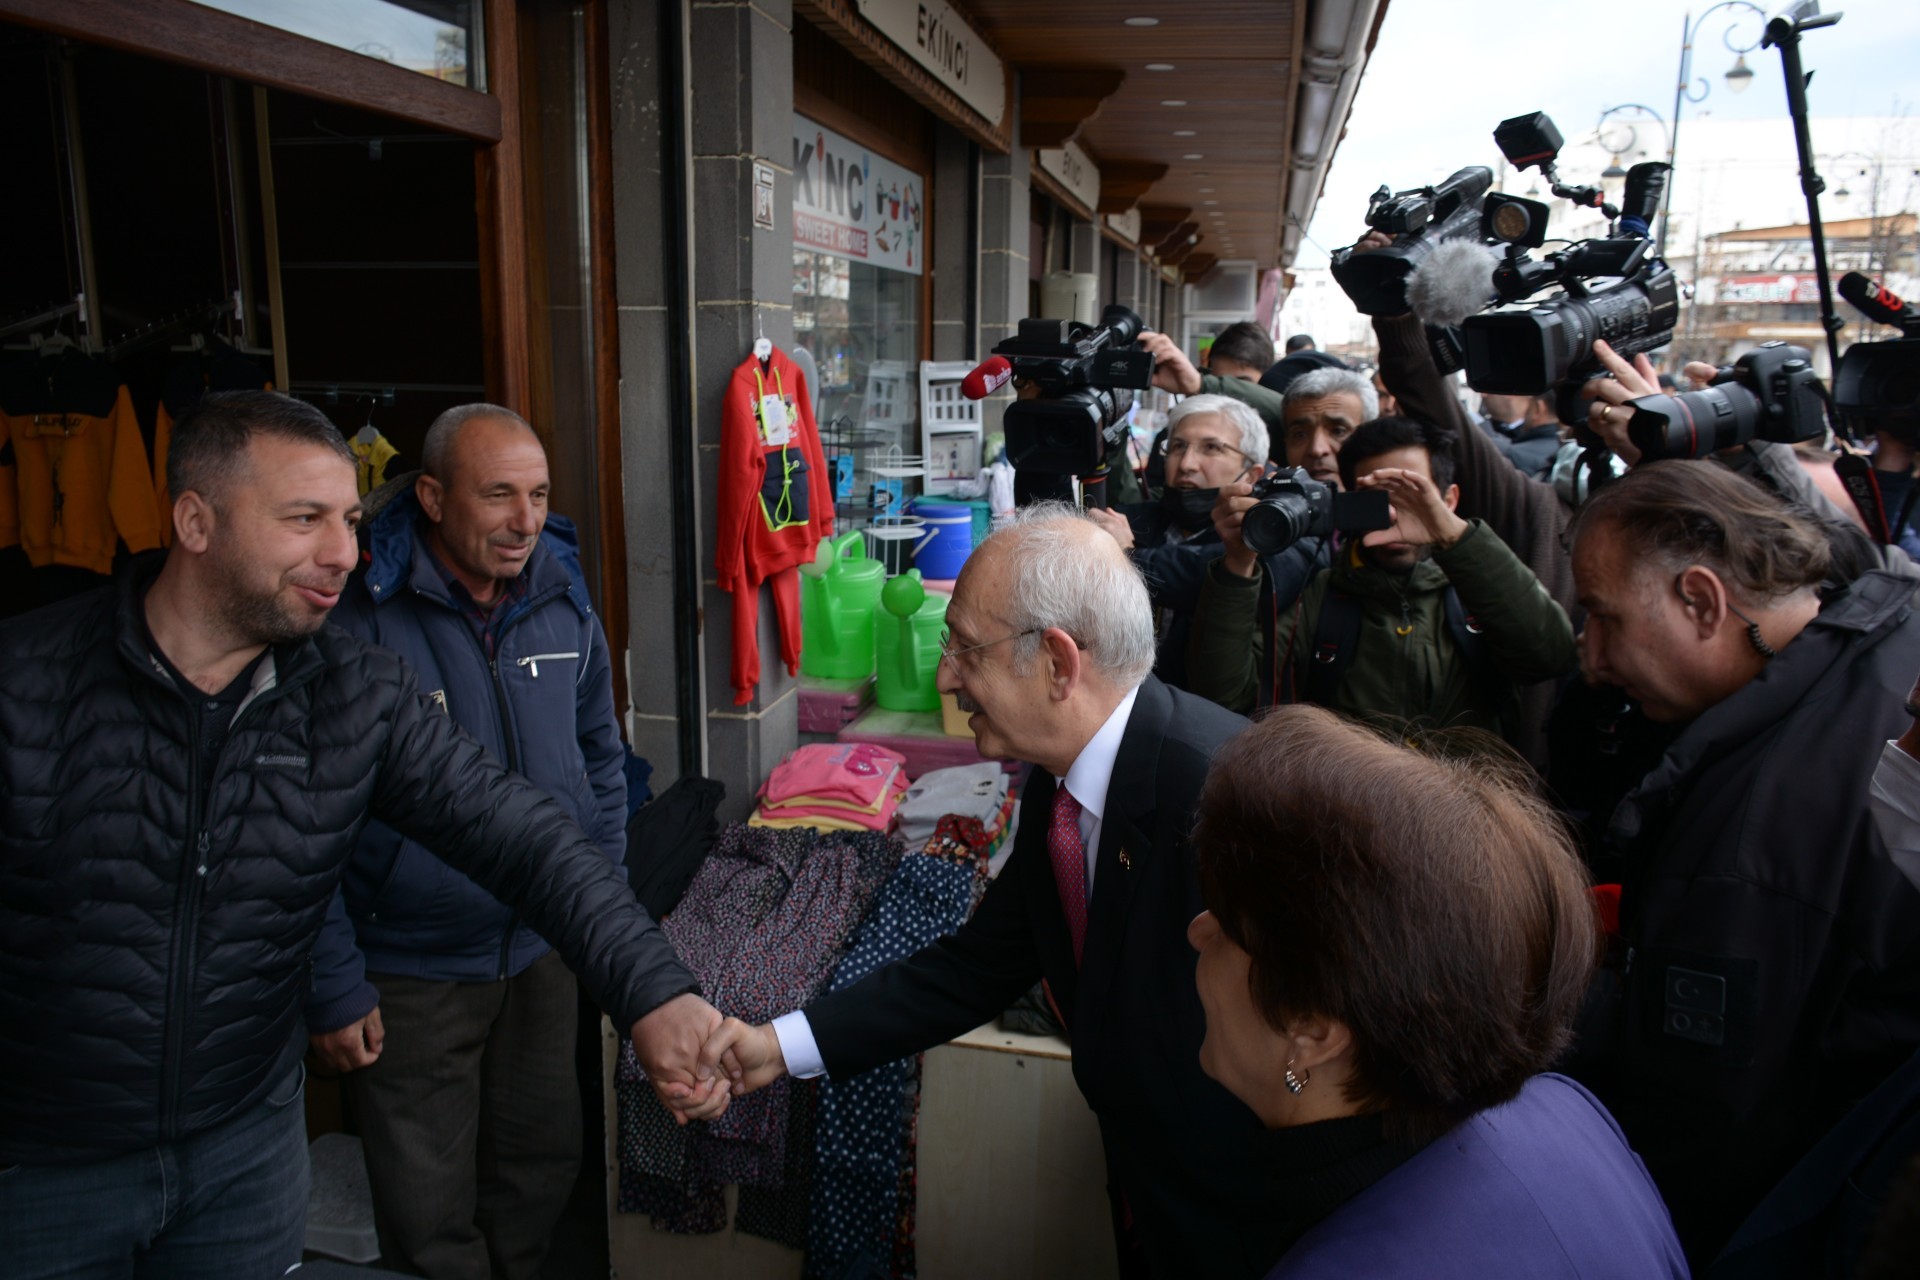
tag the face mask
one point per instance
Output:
(1189, 510)
(1894, 802)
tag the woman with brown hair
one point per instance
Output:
(1396, 945)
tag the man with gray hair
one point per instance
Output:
(454, 1021)
(1050, 639)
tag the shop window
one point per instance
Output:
(859, 256)
(439, 38)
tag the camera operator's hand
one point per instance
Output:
(1608, 414)
(1229, 510)
(1372, 240)
(1699, 374)
(1421, 516)
(1172, 371)
(1115, 524)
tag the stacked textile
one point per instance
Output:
(762, 927)
(976, 791)
(834, 786)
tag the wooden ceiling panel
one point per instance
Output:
(1231, 76)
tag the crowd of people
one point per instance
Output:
(1529, 887)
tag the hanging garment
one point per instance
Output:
(668, 840)
(863, 1130)
(218, 368)
(775, 504)
(81, 480)
(761, 927)
(370, 459)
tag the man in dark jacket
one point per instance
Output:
(1096, 898)
(1434, 620)
(1768, 975)
(186, 762)
(479, 589)
(1526, 429)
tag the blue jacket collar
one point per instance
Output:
(555, 562)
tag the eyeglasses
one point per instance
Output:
(950, 654)
(1211, 450)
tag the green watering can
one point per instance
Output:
(839, 590)
(906, 638)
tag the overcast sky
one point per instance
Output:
(1438, 83)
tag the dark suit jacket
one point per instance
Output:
(1187, 1155)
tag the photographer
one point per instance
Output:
(1431, 620)
(1172, 371)
(1211, 441)
(1240, 353)
(1769, 972)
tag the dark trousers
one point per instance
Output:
(471, 1120)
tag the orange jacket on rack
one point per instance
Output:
(775, 504)
(81, 484)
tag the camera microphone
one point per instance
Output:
(1455, 281)
(1879, 303)
(988, 377)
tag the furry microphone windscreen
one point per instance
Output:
(1455, 281)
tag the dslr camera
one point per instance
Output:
(1770, 393)
(1293, 506)
(1087, 376)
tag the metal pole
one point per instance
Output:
(1673, 135)
(1785, 32)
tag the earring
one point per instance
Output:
(1295, 1083)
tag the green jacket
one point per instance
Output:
(1407, 666)
(1268, 404)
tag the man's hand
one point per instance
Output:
(667, 1043)
(1372, 240)
(1421, 517)
(750, 1056)
(1229, 513)
(1608, 415)
(1172, 371)
(353, 1046)
(1116, 525)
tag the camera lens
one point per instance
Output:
(1694, 424)
(1276, 523)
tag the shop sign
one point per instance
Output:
(851, 202)
(1075, 170)
(934, 35)
(1126, 224)
(1770, 289)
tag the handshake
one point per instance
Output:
(697, 1061)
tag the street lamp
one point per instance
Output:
(1613, 174)
(1738, 77)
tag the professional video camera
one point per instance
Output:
(1086, 376)
(1770, 393)
(1524, 352)
(1876, 386)
(1460, 208)
(1293, 506)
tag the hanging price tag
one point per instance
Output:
(775, 428)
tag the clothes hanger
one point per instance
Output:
(369, 433)
(762, 349)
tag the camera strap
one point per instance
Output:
(1336, 638)
(1856, 473)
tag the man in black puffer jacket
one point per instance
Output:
(186, 761)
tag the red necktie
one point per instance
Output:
(1068, 849)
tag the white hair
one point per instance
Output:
(1065, 576)
(1253, 432)
(1318, 384)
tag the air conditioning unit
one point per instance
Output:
(1230, 286)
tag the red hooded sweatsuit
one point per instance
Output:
(776, 503)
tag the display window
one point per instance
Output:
(439, 38)
(859, 262)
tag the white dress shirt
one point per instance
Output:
(1087, 781)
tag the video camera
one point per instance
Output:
(1876, 386)
(1086, 376)
(1293, 506)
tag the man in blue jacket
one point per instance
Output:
(454, 1021)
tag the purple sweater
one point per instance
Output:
(1542, 1188)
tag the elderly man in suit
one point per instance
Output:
(1050, 647)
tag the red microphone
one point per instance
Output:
(993, 373)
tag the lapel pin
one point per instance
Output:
(1126, 860)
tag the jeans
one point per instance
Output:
(226, 1204)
